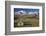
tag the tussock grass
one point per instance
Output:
(29, 21)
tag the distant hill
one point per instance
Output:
(23, 13)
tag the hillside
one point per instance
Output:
(27, 20)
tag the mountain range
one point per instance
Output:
(24, 13)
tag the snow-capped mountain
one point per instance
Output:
(32, 13)
(20, 12)
(24, 12)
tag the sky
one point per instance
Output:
(26, 10)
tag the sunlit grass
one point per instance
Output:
(28, 21)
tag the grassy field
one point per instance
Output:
(26, 21)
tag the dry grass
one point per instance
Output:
(29, 21)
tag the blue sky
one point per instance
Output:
(26, 10)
